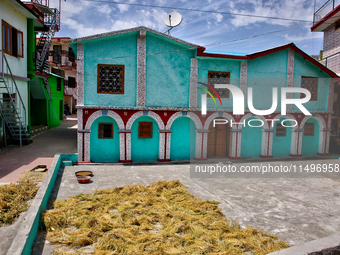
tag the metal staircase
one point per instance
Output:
(47, 87)
(44, 43)
(12, 108)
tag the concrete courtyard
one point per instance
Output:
(297, 210)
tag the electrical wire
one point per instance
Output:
(192, 48)
(198, 10)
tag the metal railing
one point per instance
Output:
(12, 88)
(48, 18)
(333, 65)
(324, 10)
(42, 2)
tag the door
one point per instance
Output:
(218, 140)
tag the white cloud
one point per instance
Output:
(123, 7)
(104, 9)
(289, 9)
(81, 29)
(218, 17)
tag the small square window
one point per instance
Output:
(309, 129)
(145, 130)
(310, 83)
(219, 78)
(105, 130)
(110, 79)
(280, 130)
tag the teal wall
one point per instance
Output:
(310, 144)
(220, 65)
(303, 67)
(251, 140)
(263, 74)
(167, 74)
(144, 149)
(183, 139)
(104, 150)
(281, 144)
(117, 50)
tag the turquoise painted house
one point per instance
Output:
(140, 95)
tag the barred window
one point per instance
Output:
(110, 79)
(219, 78)
(309, 129)
(310, 83)
(280, 130)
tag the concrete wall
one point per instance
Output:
(303, 67)
(331, 45)
(104, 150)
(118, 50)
(18, 65)
(219, 65)
(168, 73)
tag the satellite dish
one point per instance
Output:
(173, 19)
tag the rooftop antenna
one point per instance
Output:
(172, 20)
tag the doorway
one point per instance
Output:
(218, 140)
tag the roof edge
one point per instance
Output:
(118, 32)
(324, 19)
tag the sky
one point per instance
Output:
(211, 30)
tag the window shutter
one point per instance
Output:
(145, 130)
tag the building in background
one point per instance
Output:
(139, 99)
(30, 96)
(327, 20)
(63, 63)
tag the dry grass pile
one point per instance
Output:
(13, 200)
(162, 218)
(32, 176)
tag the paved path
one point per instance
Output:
(14, 161)
(297, 210)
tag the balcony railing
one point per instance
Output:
(324, 10)
(58, 72)
(42, 2)
(69, 57)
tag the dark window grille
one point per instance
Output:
(280, 130)
(309, 129)
(58, 84)
(71, 82)
(219, 78)
(110, 79)
(105, 130)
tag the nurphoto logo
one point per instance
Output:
(238, 99)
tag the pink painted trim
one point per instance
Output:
(295, 155)
(18, 77)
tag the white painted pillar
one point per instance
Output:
(267, 143)
(296, 144)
